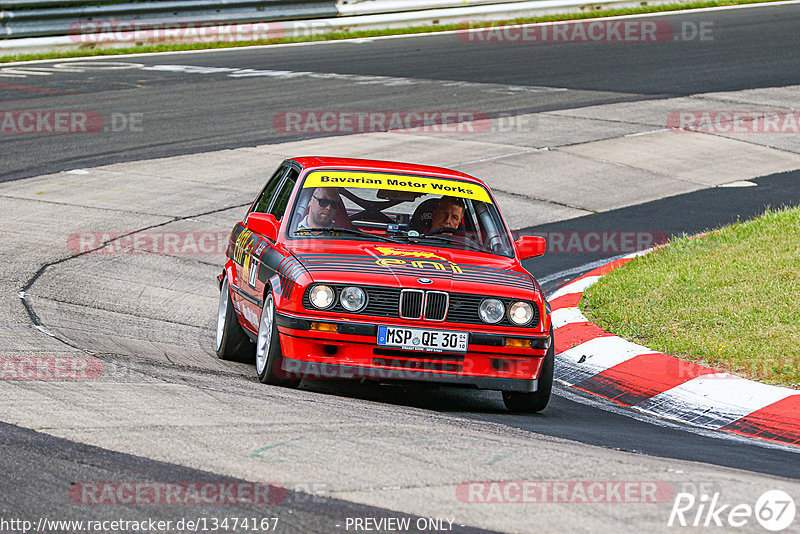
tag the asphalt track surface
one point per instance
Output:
(185, 113)
(190, 112)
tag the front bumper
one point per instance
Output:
(351, 352)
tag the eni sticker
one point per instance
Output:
(421, 264)
(396, 182)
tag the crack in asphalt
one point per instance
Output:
(23, 293)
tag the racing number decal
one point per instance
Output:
(253, 273)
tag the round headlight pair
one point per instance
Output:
(352, 298)
(492, 311)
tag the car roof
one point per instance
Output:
(327, 162)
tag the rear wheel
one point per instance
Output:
(231, 343)
(269, 356)
(521, 402)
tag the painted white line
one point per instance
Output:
(236, 72)
(739, 183)
(564, 316)
(577, 270)
(646, 133)
(714, 400)
(407, 35)
(578, 286)
(501, 156)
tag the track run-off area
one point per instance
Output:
(579, 141)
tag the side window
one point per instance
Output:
(262, 203)
(282, 198)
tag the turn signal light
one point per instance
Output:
(517, 342)
(323, 327)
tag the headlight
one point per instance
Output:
(491, 311)
(322, 296)
(520, 313)
(352, 298)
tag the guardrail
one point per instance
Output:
(126, 23)
(376, 7)
(44, 18)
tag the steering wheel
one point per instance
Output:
(444, 230)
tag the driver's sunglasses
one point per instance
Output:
(323, 202)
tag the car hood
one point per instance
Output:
(414, 266)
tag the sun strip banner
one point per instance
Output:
(397, 182)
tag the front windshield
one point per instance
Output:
(373, 206)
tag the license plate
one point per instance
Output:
(422, 339)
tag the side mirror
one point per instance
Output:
(530, 246)
(265, 224)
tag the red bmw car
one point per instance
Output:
(358, 269)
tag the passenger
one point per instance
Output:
(447, 214)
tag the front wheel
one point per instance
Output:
(231, 342)
(268, 349)
(521, 402)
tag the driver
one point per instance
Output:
(448, 213)
(322, 208)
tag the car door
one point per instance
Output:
(243, 244)
(259, 258)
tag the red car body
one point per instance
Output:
(270, 267)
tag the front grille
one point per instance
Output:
(411, 301)
(436, 305)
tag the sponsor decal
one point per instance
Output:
(420, 264)
(432, 269)
(390, 251)
(394, 182)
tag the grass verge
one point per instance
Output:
(730, 301)
(173, 47)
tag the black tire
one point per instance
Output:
(231, 341)
(269, 355)
(521, 402)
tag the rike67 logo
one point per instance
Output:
(774, 510)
